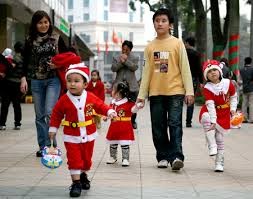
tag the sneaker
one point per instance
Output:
(111, 160)
(188, 125)
(84, 181)
(39, 154)
(219, 168)
(162, 164)
(177, 164)
(125, 163)
(212, 151)
(75, 190)
(17, 128)
(2, 128)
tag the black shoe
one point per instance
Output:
(188, 125)
(134, 124)
(84, 181)
(39, 153)
(75, 189)
(245, 121)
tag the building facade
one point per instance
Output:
(104, 25)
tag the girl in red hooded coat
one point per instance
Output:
(220, 104)
(97, 87)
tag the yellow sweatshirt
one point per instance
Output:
(166, 70)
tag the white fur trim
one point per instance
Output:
(79, 72)
(120, 142)
(212, 67)
(53, 129)
(122, 101)
(221, 87)
(75, 172)
(80, 139)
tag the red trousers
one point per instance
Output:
(79, 155)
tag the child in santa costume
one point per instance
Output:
(121, 131)
(97, 87)
(76, 108)
(220, 104)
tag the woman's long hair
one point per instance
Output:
(37, 16)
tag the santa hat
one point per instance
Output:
(80, 69)
(211, 64)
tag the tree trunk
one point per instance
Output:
(200, 28)
(234, 37)
(219, 38)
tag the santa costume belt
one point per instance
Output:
(222, 106)
(77, 124)
(123, 119)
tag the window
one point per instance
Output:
(131, 17)
(70, 4)
(106, 36)
(86, 17)
(131, 36)
(106, 15)
(86, 3)
(85, 37)
(105, 2)
(70, 18)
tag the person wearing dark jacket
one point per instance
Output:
(41, 45)
(247, 84)
(11, 90)
(197, 77)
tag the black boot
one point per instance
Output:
(75, 189)
(84, 181)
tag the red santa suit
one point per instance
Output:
(121, 130)
(79, 141)
(220, 99)
(97, 88)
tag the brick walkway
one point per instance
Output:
(23, 176)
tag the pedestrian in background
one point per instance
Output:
(40, 46)
(11, 90)
(220, 103)
(79, 132)
(166, 78)
(194, 59)
(125, 66)
(96, 86)
(247, 84)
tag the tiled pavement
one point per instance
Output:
(23, 176)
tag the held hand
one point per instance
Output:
(189, 100)
(140, 103)
(23, 85)
(51, 65)
(112, 115)
(232, 112)
(212, 127)
(51, 135)
(104, 118)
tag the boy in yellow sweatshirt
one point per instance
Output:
(166, 78)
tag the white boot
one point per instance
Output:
(212, 146)
(219, 161)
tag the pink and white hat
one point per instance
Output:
(80, 69)
(211, 64)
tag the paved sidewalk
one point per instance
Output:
(23, 176)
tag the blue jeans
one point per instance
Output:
(167, 111)
(45, 95)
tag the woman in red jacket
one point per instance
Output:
(96, 86)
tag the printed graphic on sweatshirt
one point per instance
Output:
(161, 60)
